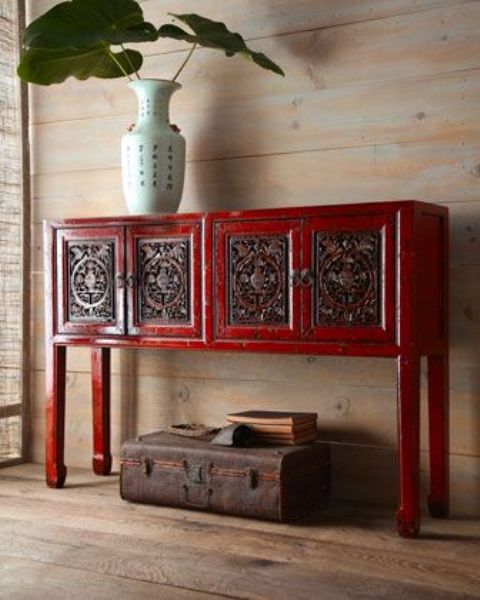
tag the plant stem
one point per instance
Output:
(129, 61)
(184, 62)
(118, 63)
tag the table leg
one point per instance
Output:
(55, 376)
(102, 459)
(408, 514)
(438, 416)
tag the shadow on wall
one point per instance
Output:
(464, 347)
(220, 182)
(128, 394)
(235, 134)
(164, 400)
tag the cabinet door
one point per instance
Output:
(349, 291)
(254, 289)
(90, 262)
(163, 280)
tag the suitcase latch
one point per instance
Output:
(252, 478)
(147, 464)
(195, 475)
(196, 489)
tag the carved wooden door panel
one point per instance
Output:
(164, 264)
(256, 293)
(90, 265)
(349, 284)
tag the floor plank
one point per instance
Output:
(338, 553)
(23, 579)
(222, 572)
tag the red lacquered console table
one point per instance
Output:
(353, 280)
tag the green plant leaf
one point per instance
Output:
(83, 23)
(45, 66)
(176, 33)
(214, 34)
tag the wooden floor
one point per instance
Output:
(85, 542)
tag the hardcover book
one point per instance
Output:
(267, 417)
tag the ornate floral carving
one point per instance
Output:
(258, 292)
(90, 281)
(347, 290)
(164, 287)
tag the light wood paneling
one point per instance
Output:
(422, 44)
(380, 101)
(238, 107)
(274, 18)
(365, 115)
(437, 172)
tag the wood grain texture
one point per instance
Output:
(275, 18)
(371, 115)
(82, 494)
(380, 101)
(237, 575)
(434, 171)
(23, 578)
(363, 115)
(90, 530)
(413, 46)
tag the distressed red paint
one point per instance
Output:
(411, 283)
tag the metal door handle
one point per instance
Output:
(130, 280)
(295, 278)
(306, 277)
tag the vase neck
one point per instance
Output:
(153, 96)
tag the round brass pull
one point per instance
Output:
(306, 277)
(295, 278)
(130, 280)
(120, 279)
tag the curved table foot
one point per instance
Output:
(55, 476)
(102, 464)
(408, 525)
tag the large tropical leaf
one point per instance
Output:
(83, 23)
(214, 34)
(45, 66)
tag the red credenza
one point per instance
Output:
(353, 280)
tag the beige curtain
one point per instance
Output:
(11, 239)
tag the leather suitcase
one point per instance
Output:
(278, 483)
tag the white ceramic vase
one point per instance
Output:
(153, 154)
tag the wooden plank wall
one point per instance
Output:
(380, 102)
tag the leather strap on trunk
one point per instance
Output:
(195, 474)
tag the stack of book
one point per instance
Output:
(280, 428)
